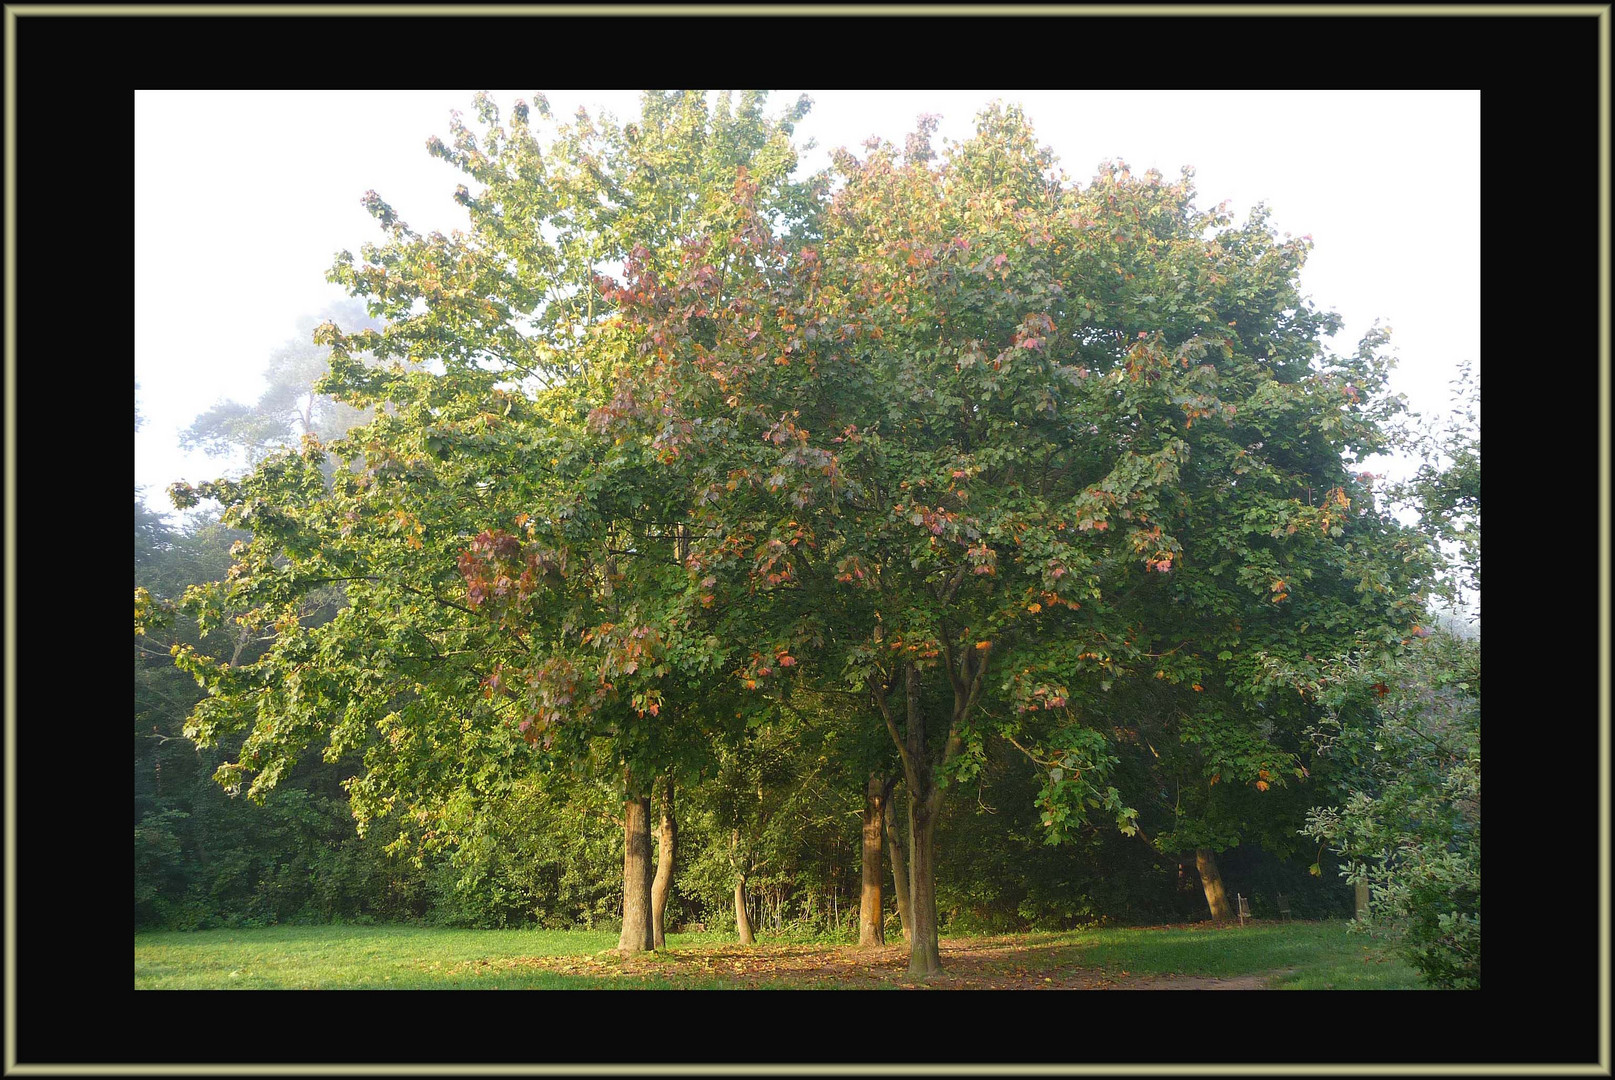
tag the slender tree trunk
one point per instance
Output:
(920, 761)
(742, 918)
(1360, 895)
(924, 798)
(636, 875)
(871, 924)
(924, 954)
(1205, 860)
(666, 852)
(895, 843)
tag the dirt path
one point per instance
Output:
(968, 964)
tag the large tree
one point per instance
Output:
(667, 427)
(963, 447)
(507, 565)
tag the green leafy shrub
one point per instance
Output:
(534, 857)
(1405, 735)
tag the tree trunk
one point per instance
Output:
(895, 844)
(666, 838)
(924, 799)
(1205, 860)
(920, 761)
(871, 924)
(924, 953)
(636, 875)
(1360, 894)
(742, 919)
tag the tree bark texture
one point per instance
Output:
(666, 853)
(896, 844)
(922, 752)
(924, 954)
(636, 876)
(1205, 860)
(871, 924)
(742, 918)
(920, 760)
(1360, 895)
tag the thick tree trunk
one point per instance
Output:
(895, 844)
(636, 875)
(666, 852)
(871, 923)
(742, 918)
(1205, 860)
(924, 953)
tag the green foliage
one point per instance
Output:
(1404, 734)
(543, 855)
(990, 421)
(669, 443)
(201, 857)
(781, 806)
(1445, 491)
(999, 872)
(506, 571)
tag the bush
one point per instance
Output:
(529, 859)
(1405, 736)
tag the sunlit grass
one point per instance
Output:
(365, 958)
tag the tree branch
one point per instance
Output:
(879, 694)
(951, 663)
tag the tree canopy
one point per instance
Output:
(671, 435)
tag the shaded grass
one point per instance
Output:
(1309, 956)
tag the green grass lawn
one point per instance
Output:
(1309, 955)
(1291, 956)
(360, 958)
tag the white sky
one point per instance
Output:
(242, 198)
